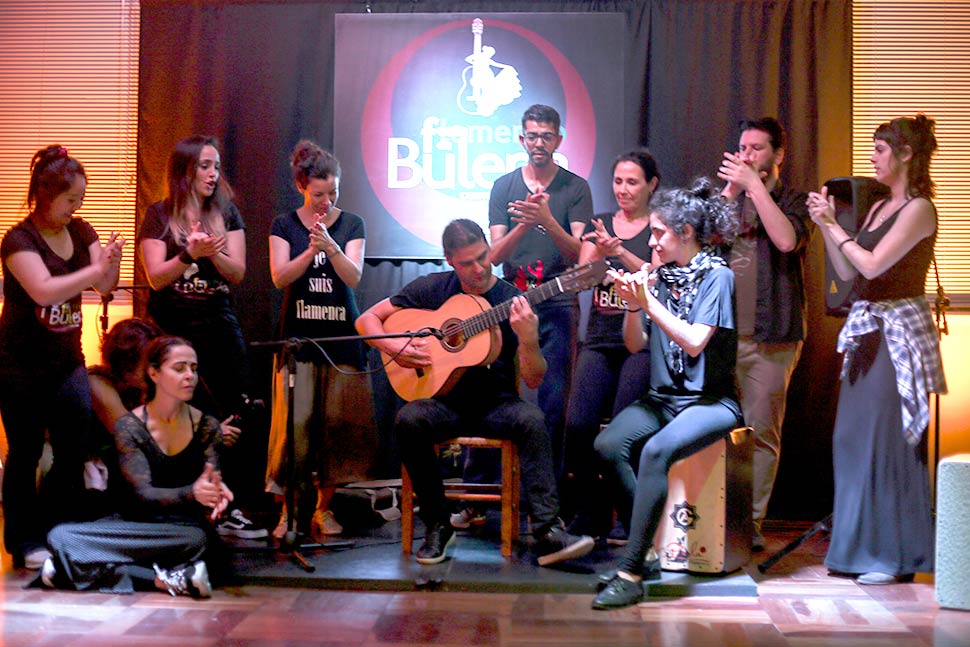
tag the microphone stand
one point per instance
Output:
(292, 543)
(108, 298)
(940, 306)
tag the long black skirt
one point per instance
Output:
(882, 517)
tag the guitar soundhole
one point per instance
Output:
(453, 339)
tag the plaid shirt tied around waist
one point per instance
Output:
(914, 347)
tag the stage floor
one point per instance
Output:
(372, 560)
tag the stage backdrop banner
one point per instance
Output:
(428, 109)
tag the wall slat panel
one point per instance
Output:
(69, 75)
(911, 57)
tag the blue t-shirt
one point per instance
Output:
(712, 373)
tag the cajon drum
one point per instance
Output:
(706, 525)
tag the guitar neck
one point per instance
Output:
(494, 316)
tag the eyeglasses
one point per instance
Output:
(547, 138)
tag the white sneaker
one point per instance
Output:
(47, 572)
(193, 580)
(35, 559)
(324, 523)
(467, 517)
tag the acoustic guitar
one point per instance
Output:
(467, 333)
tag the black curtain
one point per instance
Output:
(259, 75)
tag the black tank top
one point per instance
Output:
(905, 279)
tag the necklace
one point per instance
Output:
(885, 212)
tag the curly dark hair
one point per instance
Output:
(715, 221)
(123, 346)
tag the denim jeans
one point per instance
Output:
(557, 339)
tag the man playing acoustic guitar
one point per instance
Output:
(482, 401)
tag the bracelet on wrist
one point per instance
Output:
(185, 257)
(844, 243)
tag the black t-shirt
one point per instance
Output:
(201, 294)
(536, 258)
(35, 339)
(480, 387)
(605, 327)
(319, 303)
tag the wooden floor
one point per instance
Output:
(798, 604)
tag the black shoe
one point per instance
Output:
(618, 593)
(557, 545)
(617, 536)
(651, 572)
(436, 543)
(757, 542)
(583, 524)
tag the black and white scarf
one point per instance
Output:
(683, 283)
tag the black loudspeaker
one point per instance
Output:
(854, 196)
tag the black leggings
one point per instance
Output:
(661, 432)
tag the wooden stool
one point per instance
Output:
(506, 492)
(706, 525)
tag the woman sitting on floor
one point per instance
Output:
(168, 454)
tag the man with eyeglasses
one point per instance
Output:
(536, 215)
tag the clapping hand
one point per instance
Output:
(633, 287)
(533, 212)
(202, 244)
(230, 433)
(739, 175)
(110, 259)
(320, 238)
(606, 245)
(821, 207)
(211, 492)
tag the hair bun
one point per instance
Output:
(303, 151)
(701, 187)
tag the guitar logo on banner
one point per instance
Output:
(484, 89)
